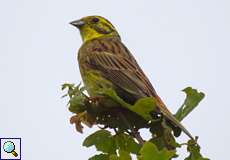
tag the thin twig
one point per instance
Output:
(134, 132)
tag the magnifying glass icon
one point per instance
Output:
(9, 147)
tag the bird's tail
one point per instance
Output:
(170, 116)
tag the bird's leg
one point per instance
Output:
(134, 131)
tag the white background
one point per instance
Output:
(178, 44)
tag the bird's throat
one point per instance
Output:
(88, 34)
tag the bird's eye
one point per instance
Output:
(95, 20)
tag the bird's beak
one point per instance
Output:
(78, 23)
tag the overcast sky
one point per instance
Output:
(177, 43)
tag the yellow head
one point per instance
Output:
(92, 27)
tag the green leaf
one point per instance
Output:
(167, 141)
(150, 152)
(113, 157)
(67, 85)
(194, 149)
(102, 140)
(142, 107)
(100, 157)
(77, 104)
(109, 92)
(76, 97)
(193, 98)
(127, 143)
(123, 155)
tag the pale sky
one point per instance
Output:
(177, 43)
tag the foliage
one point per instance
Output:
(149, 151)
(194, 150)
(193, 98)
(113, 114)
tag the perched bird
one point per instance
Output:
(104, 56)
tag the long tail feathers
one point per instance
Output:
(170, 116)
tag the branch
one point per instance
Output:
(134, 132)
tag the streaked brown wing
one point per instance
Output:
(121, 72)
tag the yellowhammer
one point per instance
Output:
(104, 56)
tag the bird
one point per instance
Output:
(104, 56)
